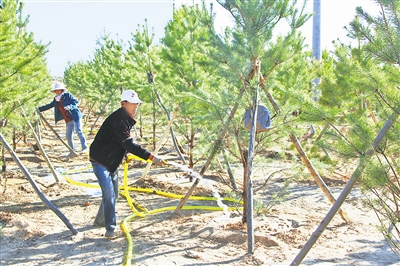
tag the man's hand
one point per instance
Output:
(157, 160)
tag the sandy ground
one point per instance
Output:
(32, 234)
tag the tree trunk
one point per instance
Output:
(191, 146)
(161, 140)
(229, 169)
(245, 180)
(154, 125)
(14, 139)
(171, 129)
(3, 159)
(249, 185)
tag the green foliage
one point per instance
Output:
(24, 78)
(379, 34)
(281, 59)
(189, 76)
(255, 22)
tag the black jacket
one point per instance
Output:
(114, 140)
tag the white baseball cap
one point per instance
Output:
(130, 96)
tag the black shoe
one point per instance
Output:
(96, 223)
(109, 234)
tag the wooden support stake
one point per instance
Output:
(41, 196)
(55, 174)
(188, 194)
(346, 191)
(317, 177)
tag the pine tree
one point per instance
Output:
(249, 54)
(360, 95)
(188, 74)
(24, 78)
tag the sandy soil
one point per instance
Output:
(32, 234)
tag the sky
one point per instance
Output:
(73, 26)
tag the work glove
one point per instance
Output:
(127, 159)
(157, 160)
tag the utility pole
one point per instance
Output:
(316, 50)
(316, 35)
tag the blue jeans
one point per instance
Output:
(109, 189)
(69, 130)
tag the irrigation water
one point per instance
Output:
(206, 183)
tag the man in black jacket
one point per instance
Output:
(109, 147)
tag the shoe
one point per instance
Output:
(71, 155)
(109, 234)
(97, 223)
(85, 150)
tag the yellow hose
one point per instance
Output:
(145, 212)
